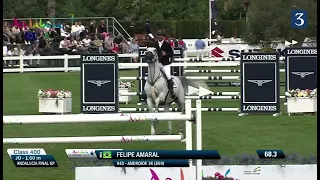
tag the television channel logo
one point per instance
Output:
(299, 19)
(106, 155)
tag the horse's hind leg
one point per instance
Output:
(150, 107)
(167, 109)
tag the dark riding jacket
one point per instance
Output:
(167, 59)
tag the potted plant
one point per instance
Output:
(55, 101)
(301, 101)
(125, 87)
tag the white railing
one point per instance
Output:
(65, 67)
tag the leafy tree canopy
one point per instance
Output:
(271, 21)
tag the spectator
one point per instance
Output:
(75, 29)
(9, 36)
(42, 45)
(82, 30)
(80, 46)
(200, 45)
(86, 41)
(175, 42)
(103, 30)
(108, 42)
(182, 44)
(64, 45)
(63, 30)
(73, 44)
(33, 51)
(134, 49)
(98, 43)
(233, 39)
(92, 27)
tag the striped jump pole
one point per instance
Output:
(218, 71)
(229, 84)
(212, 94)
(214, 59)
(196, 64)
(91, 118)
(92, 139)
(205, 109)
(190, 77)
(219, 97)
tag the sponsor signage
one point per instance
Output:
(260, 85)
(177, 70)
(234, 49)
(301, 68)
(240, 172)
(99, 83)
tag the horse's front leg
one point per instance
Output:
(167, 109)
(150, 107)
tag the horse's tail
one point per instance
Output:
(191, 82)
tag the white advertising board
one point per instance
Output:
(234, 49)
(240, 172)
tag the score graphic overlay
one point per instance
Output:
(260, 83)
(99, 83)
(160, 158)
(299, 19)
(301, 68)
(279, 154)
(143, 158)
(35, 157)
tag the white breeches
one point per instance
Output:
(167, 71)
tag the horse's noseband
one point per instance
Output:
(149, 56)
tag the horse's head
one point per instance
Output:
(151, 55)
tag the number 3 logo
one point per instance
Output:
(300, 19)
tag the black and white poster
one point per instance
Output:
(260, 86)
(301, 68)
(99, 83)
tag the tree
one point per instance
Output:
(271, 21)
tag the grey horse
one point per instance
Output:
(157, 91)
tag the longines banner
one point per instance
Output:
(99, 83)
(260, 87)
(301, 68)
(240, 172)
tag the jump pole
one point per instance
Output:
(92, 139)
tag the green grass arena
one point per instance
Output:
(223, 131)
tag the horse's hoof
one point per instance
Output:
(181, 133)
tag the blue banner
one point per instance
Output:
(214, 9)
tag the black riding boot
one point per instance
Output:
(170, 87)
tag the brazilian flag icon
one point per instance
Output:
(106, 155)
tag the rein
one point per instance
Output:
(151, 82)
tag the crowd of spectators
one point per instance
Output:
(49, 40)
(67, 39)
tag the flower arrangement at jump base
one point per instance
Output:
(128, 85)
(301, 101)
(301, 93)
(55, 101)
(125, 87)
(218, 176)
(60, 94)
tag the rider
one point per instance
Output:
(165, 54)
